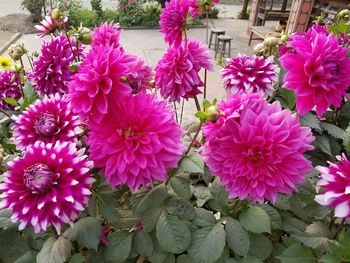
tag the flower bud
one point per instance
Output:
(284, 38)
(213, 113)
(259, 49)
(270, 41)
(344, 13)
(1, 157)
(16, 52)
(86, 36)
(55, 14)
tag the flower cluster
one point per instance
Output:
(9, 88)
(201, 7)
(106, 34)
(257, 149)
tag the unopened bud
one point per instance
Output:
(1, 157)
(284, 38)
(270, 41)
(55, 14)
(16, 52)
(123, 78)
(259, 49)
(213, 113)
(343, 13)
(86, 36)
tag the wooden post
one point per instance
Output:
(254, 13)
(245, 8)
(299, 15)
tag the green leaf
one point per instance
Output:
(192, 163)
(159, 255)
(333, 130)
(288, 98)
(255, 220)
(297, 254)
(251, 259)
(311, 120)
(153, 199)
(173, 235)
(28, 257)
(236, 237)
(202, 194)
(5, 221)
(323, 143)
(107, 205)
(185, 258)
(30, 95)
(86, 231)
(292, 224)
(220, 197)
(170, 258)
(10, 101)
(55, 251)
(143, 244)
(119, 247)
(260, 246)
(77, 258)
(12, 246)
(275, 218)
(204, 218)
(208, 244)
(150, 219)
(181, 186)
(180, 208)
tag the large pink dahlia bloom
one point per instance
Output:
(259, 153)
(173, 21)
(335, 184)
(106, 34)
(48, 120)
(318, 71)
(136, 142)
(177, 72)
(48, 186)
(9, 88)
(98, 81)
(250, 74)
(51, 71)
(199, 7)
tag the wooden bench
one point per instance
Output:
(261, 32)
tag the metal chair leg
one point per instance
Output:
(229, 49)
(217, 48)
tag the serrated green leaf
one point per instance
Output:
(180, 208)
(170, 258)
(192, 163)
(143, 244)
(275, 218)
(251, 259)
(12, 246)
(204, 218)
(30, 96)
(323, 143)
(86, 231)
(55, 251)
(173, 235)
(159, 255)
(185, 258)
(202, 194)
(311, 120)
(260, 246)
(219, 195)
(5, 221)
(293, 225)
(208, 244)
(28, 257)
(297, 253)
(283, 202)
(255, 220)
(181, 186)
(153, 199)
(333, 130)
(119, 247)
(236, 237)
(77, 258)
(150, 219)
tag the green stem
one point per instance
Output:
(194, 138)
(182, 110)
(197, 103)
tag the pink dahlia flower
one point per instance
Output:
(51, 71)
(198, 7)
(48, 186)
(173, 21)
(318, 71)
(106, 34)
(139, 76)
(335, 184)
(250, 74)
(9, 88)
(177, 72)
(260, 153)
(48, 120)
(49, 25)
(136, 142)
(98, 81)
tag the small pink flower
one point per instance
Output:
(9, 88)
(139, 76)
(258, 149)
(106, 34)
(335, 184)
(49, 25)
(199, 7)
(173, 21)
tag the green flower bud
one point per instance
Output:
(213, 113)
(270, 41)
(85, 35)
(55, 14)
(259, 49)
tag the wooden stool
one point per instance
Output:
(217, 32)
(223, 40)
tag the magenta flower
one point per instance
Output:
(9, 88)
(106, 34)
(335, 184)
(51, 71)
(48, 186)
(177, 72)
(136, 142)
(258, 152)
(98, 82)
(250, 74)
(139, 76)
(48, 120)
(49, 25)
(199, 7)
(173, 21)
(318, 71)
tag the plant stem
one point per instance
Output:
(30, 62)
(4, 112)
(206, 42)
(140, 259)
(339, 228)
(194, 138)
(182, 110)
(177, 118)
(71, 47)
(197, 103)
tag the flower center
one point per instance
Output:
(128, 133)
(46, 124)
(38, 178)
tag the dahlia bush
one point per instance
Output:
(97, 164)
